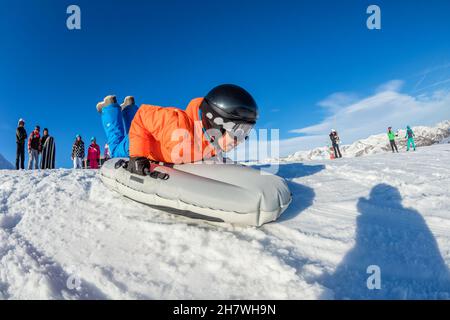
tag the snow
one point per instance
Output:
(5, 164)
(425, 136)
(64, 235)
(446, 140)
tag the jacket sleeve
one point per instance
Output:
(167, 125)
(29, 141)
(82, 150)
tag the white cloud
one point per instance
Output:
(393, 85)
(433, 78)
(338, 100)
(372, 115)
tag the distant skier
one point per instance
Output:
(391, 136)
(34, 148)
(334, 137)
(48, 151)
(106, 154)
(93, 154)
(209, 126)
(332, 155)
(410, 136)
(78, 152)
(21, 137)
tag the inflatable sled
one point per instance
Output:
(214, 192)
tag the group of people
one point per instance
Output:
(38, 146)
(335, 141)
(93, 155)
(226, 116)
(409, 136)
(41, 150)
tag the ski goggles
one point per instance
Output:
(240, 131)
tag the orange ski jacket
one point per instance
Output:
(169, 134)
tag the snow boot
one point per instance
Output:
(108, 100)
(128, 101)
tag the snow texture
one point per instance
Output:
(64, 235)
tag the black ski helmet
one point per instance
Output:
(228, 103)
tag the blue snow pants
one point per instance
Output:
(410, 143)
(116, 124)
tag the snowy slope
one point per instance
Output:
(63, 235)
(446, 140)
(425, 136)
(5, 164)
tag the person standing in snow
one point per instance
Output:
(78, 152)
(93, 154)
(391, 136)
(48, 151)
(34, 148)
(334, 137)
(106, 153)
(332, 156)
(44, 136)
(21, 137)
(410, 136)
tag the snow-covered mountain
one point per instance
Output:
(425, 136)
(5, 164)
(64, 235)
(446, 140)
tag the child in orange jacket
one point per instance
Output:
(218, 122)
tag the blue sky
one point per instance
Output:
(306, 63)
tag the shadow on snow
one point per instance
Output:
(398, 240)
